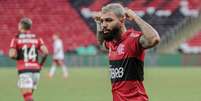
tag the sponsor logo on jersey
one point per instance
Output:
(120, 49)
(116, 72)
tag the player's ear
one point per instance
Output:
(122, 19)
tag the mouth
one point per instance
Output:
(106, 31)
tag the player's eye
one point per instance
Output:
(108, 19)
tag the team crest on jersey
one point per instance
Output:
(120, 49)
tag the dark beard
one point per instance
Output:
(114, 34)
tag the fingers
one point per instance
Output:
(130, 14)
(129, 11)
(96, 16)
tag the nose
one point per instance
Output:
(104, 25)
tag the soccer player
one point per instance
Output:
(58, 56)
(25, 48)
(126, 50)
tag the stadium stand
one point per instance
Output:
(164, 15)
(48, 18)
(192, 45)
(73, 18)
(190, 7)
(167, 16)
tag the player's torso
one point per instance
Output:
(126, 70)
(125, 63)
(58, 52)
(27, 46)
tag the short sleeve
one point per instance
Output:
(135, 41)
(13, 43)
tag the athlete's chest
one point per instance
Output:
(118, 51)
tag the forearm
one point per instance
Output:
(98, 34)
(44, 57)
(148, 31)
(96, 16)
(44, 54)
(100, 39)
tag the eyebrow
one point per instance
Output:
(106, 18)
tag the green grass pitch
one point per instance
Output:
(93, 84)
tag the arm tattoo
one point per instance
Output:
(144, 42)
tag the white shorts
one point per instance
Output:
(28, 80)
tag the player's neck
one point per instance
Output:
(119, 36)
(123, 29)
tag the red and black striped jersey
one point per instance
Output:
(126, 60)
(27, 46)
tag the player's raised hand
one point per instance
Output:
(96, 16)
(130, 14)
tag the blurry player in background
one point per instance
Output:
(58, 56)
(25, 48)
(126, 50)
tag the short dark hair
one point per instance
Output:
(26, 23)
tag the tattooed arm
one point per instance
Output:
(150, 37)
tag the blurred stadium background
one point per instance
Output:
(172, 70)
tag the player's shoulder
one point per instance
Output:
(135, 33)
(15, 37)
(132, 36)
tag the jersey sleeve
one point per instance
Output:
(135, 42)
(13, 43)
